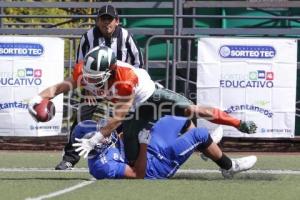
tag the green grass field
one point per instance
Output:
(49, 184)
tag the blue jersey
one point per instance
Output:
(166, 152)
(109, 165)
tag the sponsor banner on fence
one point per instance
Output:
(27, 66)
(251, 79)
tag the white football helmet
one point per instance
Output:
(96, 69)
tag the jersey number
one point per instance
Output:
(103, 160)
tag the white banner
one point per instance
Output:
(251, 79)
(27, 66)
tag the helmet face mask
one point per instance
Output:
(97, 62)
(87, 130)
(101, 148)
(96, 80)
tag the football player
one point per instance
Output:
(163, 149)
(137, 100)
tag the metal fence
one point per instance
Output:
(183, 32)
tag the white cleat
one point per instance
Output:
(239, 165)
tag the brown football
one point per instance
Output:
(45, 111)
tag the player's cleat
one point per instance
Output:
(239, 165)
(64, 165)
(247, 127)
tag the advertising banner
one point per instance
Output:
(27, 66)
(251, 79)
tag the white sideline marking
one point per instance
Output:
(75, 170)
(180, 171)
(258, 171)
(60, 192)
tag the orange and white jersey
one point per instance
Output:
(125, 81)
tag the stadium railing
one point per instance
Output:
(190, 19)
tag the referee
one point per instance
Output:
(107, 32)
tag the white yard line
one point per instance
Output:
(85, 170)
(60, 192)
(75, 170)
(258, 171)
(180, 171)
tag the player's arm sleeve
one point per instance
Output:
(126, 87)
(134, 52)
(77, 72)
(125, 90)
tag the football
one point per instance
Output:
(45, 111)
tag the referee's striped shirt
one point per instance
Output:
(121, 43)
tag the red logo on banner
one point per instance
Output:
(270, 76)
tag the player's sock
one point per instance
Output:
(224, 162)
(221, 117)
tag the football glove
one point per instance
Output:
(34, 101)
(84, 146)
(247, 127)
(144, 136)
